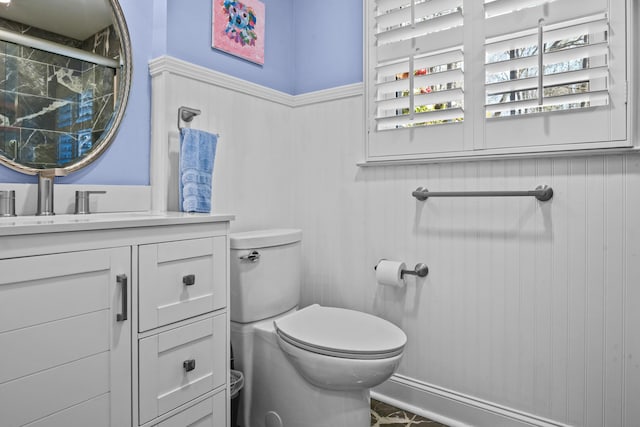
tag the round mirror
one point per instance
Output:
(65, 74)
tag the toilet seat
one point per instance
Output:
(341, 332)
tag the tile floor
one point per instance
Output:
(384, 415)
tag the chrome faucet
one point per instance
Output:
(45, 190)
(82, 201)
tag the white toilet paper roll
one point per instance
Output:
(390, 273)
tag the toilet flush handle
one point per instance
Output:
(252, 256)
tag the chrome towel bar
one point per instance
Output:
(541, 192)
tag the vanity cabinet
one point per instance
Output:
(114, 321)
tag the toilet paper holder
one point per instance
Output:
(420, 270)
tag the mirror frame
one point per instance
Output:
(123, 88)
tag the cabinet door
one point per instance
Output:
(181, 279)
(65, 356)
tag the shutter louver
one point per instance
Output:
(563, 65)
(418, 63)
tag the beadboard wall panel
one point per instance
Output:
(254, 162)
(529, 315)
(529, 307)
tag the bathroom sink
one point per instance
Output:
(69, 222)
(35, 220)
(18, 221)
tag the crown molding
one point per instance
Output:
(168, 64)
(171, 65)
(326, 95)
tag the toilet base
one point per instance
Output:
(276, 395)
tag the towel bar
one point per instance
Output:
(541, 192)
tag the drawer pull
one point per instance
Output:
(189, 279)
(252, 256)
(189, 365)
(122, 279)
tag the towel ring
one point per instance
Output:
(186, 114)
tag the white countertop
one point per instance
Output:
(11, 226)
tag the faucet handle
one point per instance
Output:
(82, 201)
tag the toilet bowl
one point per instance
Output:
(340, 349)
(308, 367)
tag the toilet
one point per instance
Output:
(308, 367)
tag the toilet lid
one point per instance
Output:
(340, 332)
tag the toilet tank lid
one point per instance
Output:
(264, 238)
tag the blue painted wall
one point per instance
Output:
(189, 38)
(328, 44)
(310, 45)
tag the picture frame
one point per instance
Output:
(238, 28)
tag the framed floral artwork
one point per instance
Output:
(238, 28)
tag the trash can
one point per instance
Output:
(237, 381)
(235, 385)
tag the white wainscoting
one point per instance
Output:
(254, 158)
(530, 306)
(530, 313)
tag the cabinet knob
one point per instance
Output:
(189, 279)
(189, 365)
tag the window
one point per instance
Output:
(455, 78)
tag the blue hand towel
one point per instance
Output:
(197, 156)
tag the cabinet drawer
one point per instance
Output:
(181, 364)
(181, 279)
(211, 412)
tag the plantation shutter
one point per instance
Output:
(461, 78)
(548, 70)
(416, 76)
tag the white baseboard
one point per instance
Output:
(452, 408)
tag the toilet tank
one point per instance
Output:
(265, 273)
